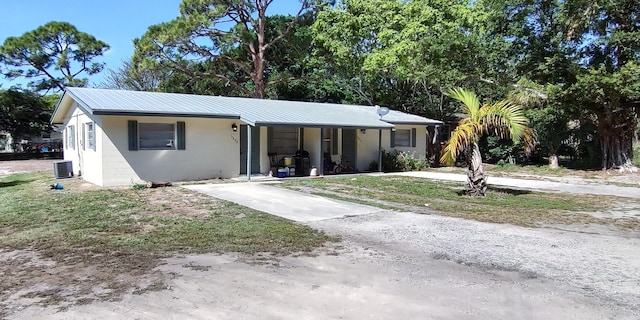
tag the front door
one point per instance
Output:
(349, 146)
(255, 149)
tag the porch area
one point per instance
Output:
(284, 151)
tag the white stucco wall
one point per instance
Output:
(313, 145)
(420, 150)
(212, 151)
(367, 145)
(265, 163)
(86, 162)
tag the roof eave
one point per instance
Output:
(55, 109)
(64, 102)
(416, 123)
(322, 126)
(132, 113)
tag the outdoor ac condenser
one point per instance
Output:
(62, 169)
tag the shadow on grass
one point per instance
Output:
(513, 192)
(13, 183)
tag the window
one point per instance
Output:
(403, 138)
(90, 137)
(156, 136)
(71, 137)
(284, 140)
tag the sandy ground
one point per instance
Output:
(394, 265)
(15, 166)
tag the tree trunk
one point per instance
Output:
(553, 160)
(617, 151)
(475, 176)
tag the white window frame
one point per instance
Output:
(90, 135)
(403, 138)
(71, 137)
(147, 136)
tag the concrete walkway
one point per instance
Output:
(289, 204)
(304, 207)
(598, 189)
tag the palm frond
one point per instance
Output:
(464, 135)
(468, 98)
(507, 119)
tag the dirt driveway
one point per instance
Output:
(398, 265)
(15, 166)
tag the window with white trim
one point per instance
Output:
(71, 137)
(90, 137)
(403, 138)
(155, 136)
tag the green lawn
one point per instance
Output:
(529, 169)
(154, 222)
(516, 207)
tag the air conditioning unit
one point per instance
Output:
(62, 169)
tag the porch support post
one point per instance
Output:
(380, 150)
(248, 153)
(321, 168)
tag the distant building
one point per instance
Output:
(46, 142)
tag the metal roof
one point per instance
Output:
(256, 112)
(398, 117)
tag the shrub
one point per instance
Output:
(408, 162)
(395, 161)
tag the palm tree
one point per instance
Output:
(503, 118)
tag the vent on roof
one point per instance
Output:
(62, 169)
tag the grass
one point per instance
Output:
(114, 238)
(529, 169)
(523, 208)
(137, 221)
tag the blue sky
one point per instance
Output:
(116, 22)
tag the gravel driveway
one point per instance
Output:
(605, 267)
(397, 265)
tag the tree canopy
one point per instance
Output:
(230, 34)
(406, 54)
(24, 114)
(52, 56)
(574, 65)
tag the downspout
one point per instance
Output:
(379, 150)
(248, 152)
(78, 144)
(321, 167)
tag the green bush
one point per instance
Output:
(395, 161)
(408, 162)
